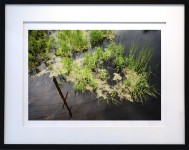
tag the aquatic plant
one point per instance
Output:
(103, 74)
(112, 96)
(102, 90)
(109, 34)
(106, 92)
(78, 42)
(107, 55)
(116, 49)
(96, 36)
(113, 50)
(58, 52)
(67, 62)
(138, 86)
(49, 43)
(38, 50)
(98, 53)
(63, 35)
(70, 41)
(117, 77)
(63, 50)
(138, 60)
(87, 56)
(82, 78)
(131, 74)
(88, 76)
(134, 86)
(61, 67)
(89, 60)
(119, 62)
(79, 86)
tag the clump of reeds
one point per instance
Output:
(70, 41)
(84, 79)
(97, 36)
(138, 59)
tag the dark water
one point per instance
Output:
(46, 104)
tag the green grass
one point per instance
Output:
(38, 47)
(70, 41)
(112, 97)
(84, 79)
(78, 41)
(97, 36)
(67, 64)
(109, 34)
(79, 86)
(119, 63)
(116, 49)
(89, 61)
(63, 50)
(112, 51)
(138, 59)
(49, 43)
(138, 85)
(137, 74)
(98, 53)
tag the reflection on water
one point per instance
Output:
(45, 102)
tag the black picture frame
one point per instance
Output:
(112, 2)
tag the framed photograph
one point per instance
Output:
(94, 74)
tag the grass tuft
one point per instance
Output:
(67, 64)
(113, 50)
(38, 47)
(70, 41)
(97, 36)
(138, 85)
(138, 59)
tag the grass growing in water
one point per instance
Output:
(89, 61)
(39, 47)
(138, 60)
(113, 50)
(138, 85)
(78, 41)
(84, 80)
(103, 74)
(109, 34)
(98, 53)
(97, 36)
(63, 50)
(119, 63)
(70, 41)
(67, 64)
(133, 86)
(131, 71)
